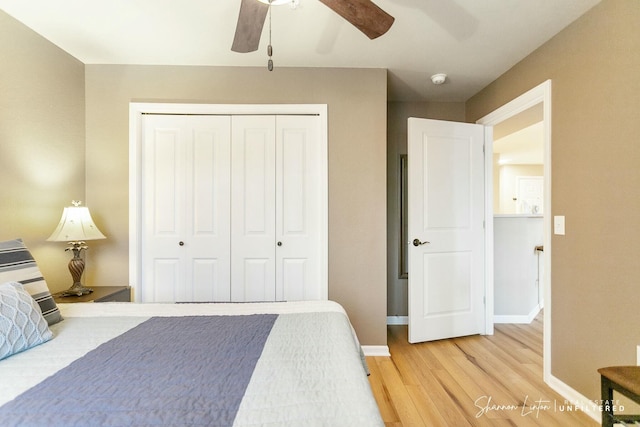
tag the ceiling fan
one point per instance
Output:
(363, 14)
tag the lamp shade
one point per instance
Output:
(75, 225)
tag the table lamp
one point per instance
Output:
(76, 227)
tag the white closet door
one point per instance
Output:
(207, 205)
(185, 192)
(252, 209)
(298, 208)
(162, 196)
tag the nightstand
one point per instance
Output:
(99, 294)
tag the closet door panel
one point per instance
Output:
(293, 182)
(164, 195)
(294, 279)
(255, 175)
(163, 199)
(252, 209)
(207, 229)
(258, 280)
(204, 158)
(298, 208)
(186, 200)
(165, 273)
(205, 272)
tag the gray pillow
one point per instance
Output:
(17, 265)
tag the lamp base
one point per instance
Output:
(78, 289)
(76, 268)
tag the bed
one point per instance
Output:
(248, 364)
(211, 364)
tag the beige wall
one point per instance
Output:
(595, 158)
(357, 163)
(41, 143)
(397, 115)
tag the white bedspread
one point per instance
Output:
(269, 398)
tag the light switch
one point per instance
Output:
(558, 225)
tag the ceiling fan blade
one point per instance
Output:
(249, 28)
(363, 14)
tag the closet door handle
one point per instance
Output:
(181, 243)
(279, 243)
(417, 242)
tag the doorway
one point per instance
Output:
(539, 95)
(518, 172)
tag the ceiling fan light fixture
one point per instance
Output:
(279, 2)
(365, 15)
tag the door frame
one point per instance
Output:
(136, 112)
(539, 94)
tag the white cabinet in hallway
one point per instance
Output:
(518, 267)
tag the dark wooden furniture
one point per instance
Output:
(625, 380)
(99, 294)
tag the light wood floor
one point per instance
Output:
(470, 381)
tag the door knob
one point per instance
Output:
(417, 242)
(279, 243)
(181, 243)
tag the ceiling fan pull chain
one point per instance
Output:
(269, 48)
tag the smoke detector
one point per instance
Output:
(439, 78)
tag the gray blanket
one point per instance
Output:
(201, 366)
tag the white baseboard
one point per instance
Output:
(518, 318)
(376, 350)
(397, 320)
(404, 320)
(575, 399)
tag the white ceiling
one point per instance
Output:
(519, 140)
(473, 41)
(523, 147)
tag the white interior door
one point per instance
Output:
(185, 199)
(163, 193)
(207, 201)
(181, 181)
(298, 208)
(446, 229)
(253, 221)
